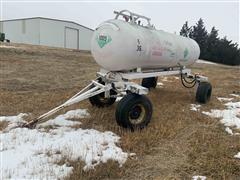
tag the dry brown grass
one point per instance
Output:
(177, 144)
(3, 125)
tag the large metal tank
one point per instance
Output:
(118, 45)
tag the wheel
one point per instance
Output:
(100, 100)
(149, 82)
(134, 111)
(204, 92)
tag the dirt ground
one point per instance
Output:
(177, 144)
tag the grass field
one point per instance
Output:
(177, 144)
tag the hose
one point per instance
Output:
(188, 84)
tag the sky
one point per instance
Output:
(166, 15)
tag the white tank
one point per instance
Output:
(118, 45)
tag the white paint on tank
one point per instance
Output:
(118, 45)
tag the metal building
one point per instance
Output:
(48, 32)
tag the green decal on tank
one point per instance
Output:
(185, 53)
(102, 40)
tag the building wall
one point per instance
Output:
(22, 31)
(1, 27)
(85, 37)
(48, 32)
(52, 33)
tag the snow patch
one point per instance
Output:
(62, 120)
(14, 121)
(76, 114)
(237, 155)
(199, 177)
(229, 116)
(165, 79)
(10, 47)
(205, 62)
(229, 131)
(235, 95)
(58, 121)
(160, 84)
(235, 105)
(132, 154)
(34, 153)
(221, 99)
(195, 107)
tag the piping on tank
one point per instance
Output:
(122, 45)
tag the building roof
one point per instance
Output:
(48, 19)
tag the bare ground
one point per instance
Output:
(177, 144)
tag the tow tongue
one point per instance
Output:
(90, 90)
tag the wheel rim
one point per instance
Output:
(137, 114)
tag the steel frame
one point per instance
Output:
(119, 82)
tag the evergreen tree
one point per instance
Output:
(199, 34)
(228, 52)
(185, 31)
(212, 41)
(212, 47)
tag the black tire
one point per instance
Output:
(204, 92)
(149, 82)
(134, 111)
(100, 100)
